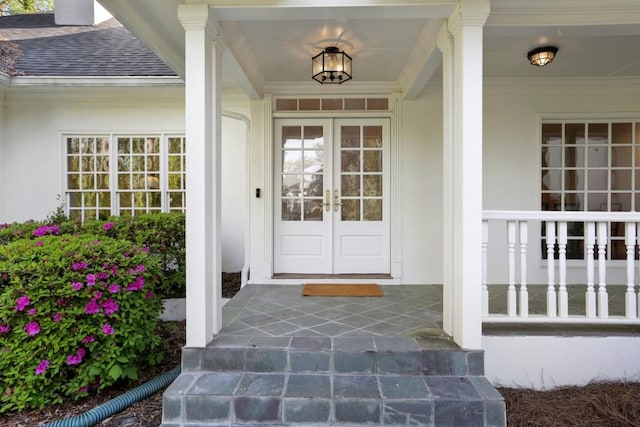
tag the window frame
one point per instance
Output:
(113, 173)
(634, 169)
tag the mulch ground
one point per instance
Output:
(610, 404)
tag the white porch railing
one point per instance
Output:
(513, 242)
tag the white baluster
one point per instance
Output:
(563, 298)
(638, 300)
(551, 288)
(485, 249)
(630, 296)
(603, 302)
(524, 293)
(511, 292)
(590, 297)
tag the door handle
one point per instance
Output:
(336, 200)
(327, 200)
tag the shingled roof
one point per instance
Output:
(39, 47)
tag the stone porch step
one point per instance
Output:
(331, 381)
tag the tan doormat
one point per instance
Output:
(341, 290)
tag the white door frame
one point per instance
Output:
(264, 227)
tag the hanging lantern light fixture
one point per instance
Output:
(331, 66)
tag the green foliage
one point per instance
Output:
(16, 7)
(29, 230)
(163, 234)
(77, 314)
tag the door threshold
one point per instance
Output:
(306, 276)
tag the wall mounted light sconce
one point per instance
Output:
(542, 55)
(331, 66)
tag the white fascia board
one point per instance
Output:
(5, 80)
(61, 81)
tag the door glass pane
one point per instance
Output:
(372, 161)
(350, 161)
(313, 185)
(372, 185)
(313, 138)
(291, 137)
(291, 210)
(350, 210)
(313, 210)
(350, 185)
(290, 185)
(372, 136)
(313, 161)
(291, 161)
(350, 136)
(373, 210)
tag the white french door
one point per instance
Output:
(331, 196)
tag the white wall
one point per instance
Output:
(513, 111)
(422, 189)
(234, 193)
(31, 161)
(545, 362)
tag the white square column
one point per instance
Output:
(462, 168)
(203, 147)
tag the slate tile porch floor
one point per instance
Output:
(284, 359)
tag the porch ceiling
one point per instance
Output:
(394, 42)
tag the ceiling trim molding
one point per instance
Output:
(563, 12)
(562, 84)
(312, 88)
(423, 62)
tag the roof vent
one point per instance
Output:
(79, 12)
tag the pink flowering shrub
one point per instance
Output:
(78, 313)
(34, 230)
(162, 233)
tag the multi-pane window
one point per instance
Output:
(149, 174)
(591, 166)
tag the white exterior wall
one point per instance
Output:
(513, 113)
(31, 147)
(31, 158)
(545, 362)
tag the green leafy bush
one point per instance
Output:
(33, 230)
(77, 314)
(162, 233)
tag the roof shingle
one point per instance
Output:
(106, 49)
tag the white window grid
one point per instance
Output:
(592, 188)
(151, 179)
